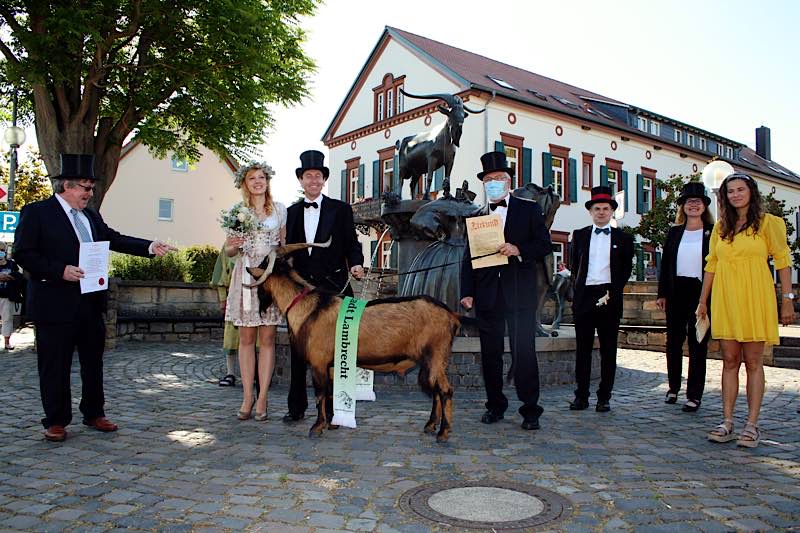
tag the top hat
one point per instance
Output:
(312, 160)
(77, 167)
(693, 189)
(601, 194)
(494, 162)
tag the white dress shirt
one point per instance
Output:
(311, 219)
(81, 217)
(599, 271)
(501, 210)
(690, 255)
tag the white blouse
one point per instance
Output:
(690, 255)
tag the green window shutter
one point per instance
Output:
(395, 175)
(625, 188)
(639, 264)
(372, 246)
(393, 255)
(547, 169)
(658, 264)
(376, 179)
(344, 186)
(361, 179)
(603, 176)
(499, 147)
(573, 180)
(438, 178)
(527, 166)
(640, 194)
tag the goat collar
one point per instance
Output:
(302, 294)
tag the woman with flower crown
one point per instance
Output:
(259, 225)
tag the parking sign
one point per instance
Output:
(8, 221)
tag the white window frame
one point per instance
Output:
(168, 202)
(655, 128)
(703, 144)
(647, 193)
(386, 253)
(641, 124)
(388, 174)
(677, 135)
(558, 255)
(179, 164)
(353, 173)
(615, 188)
(587, 173)
(720, 149)
(512, 159)
(690, 139)
(390, 103)
(558, 165)
(380, 106)
(729, 152)
(401, 101)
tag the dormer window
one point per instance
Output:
(655, 128)
(389, 100)
(729, 152)
(641, 124)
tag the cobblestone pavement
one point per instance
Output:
(181, 460)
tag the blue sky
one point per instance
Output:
(724, 66)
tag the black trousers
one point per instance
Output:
(55, 345)
(521, 327)
(605, 320)
(681, 306)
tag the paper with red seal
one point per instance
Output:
(93, 260)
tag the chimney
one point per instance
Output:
(762, 143)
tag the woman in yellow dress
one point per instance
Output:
(744, 313)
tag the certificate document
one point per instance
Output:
(93, 259)
(485, 237)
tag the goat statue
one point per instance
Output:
(399, 334)
(426, 151)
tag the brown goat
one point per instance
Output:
(397, 334)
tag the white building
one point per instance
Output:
(552, 132)
(170, 199)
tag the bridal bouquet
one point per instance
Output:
(238, 221)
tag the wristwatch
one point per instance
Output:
(789, 295)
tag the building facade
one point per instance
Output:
(552, 133)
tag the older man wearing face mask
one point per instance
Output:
(506, 295)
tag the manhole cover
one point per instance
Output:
(489, 505)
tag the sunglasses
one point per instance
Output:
(87, 188)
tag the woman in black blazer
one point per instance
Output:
(679, 286)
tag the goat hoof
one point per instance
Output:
(442, 438)
(314, 433)
(430, 429)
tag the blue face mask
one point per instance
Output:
(495, 190)
(2, 255)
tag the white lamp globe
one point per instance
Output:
(715, 172)
(14, 136)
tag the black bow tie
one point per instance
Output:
(310, 204)
(492, 207)
(598, 231)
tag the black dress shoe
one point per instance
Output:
(578, 404)
(530, 423)
(602, 407)
(691, 406)
(490, 418)
(290, 418)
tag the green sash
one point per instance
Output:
(345, 377)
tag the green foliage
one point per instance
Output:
(170, 267)
(654, 225)
(176, 75)
(778, 208)
(202, 259)
(31, 183)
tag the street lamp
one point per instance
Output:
(15, 137)
(714, 174)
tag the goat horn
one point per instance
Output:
(470, 110)
(436, 96)
(265, 274)
(290, 248)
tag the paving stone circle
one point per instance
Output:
(486, 505)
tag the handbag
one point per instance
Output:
(701, 326)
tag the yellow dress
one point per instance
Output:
(743, 303)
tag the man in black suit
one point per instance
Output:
(46, 245)
(601, 263)
(318, 218)
(505, 295)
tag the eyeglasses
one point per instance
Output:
(87, 188)
(694, 201)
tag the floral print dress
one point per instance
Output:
(242, 307)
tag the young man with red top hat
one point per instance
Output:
(506, 295)
(318, 218)
(46, 245)
(601, 261)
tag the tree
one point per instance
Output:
(30, 182)
(174, 74)
(654, 225)
(778, 208)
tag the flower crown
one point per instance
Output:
(238, 178)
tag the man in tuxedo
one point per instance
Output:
(318, 218)
(601, 263)
(46, 245)
(505, 295)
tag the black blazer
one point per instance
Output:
(525, 228)
(325, 267)
(621, 264)
(669, 257)
(45, 242)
